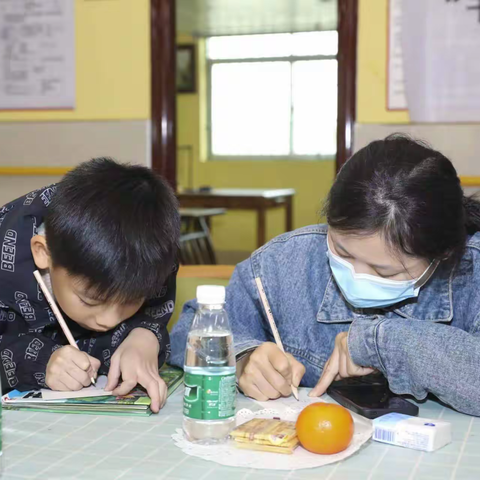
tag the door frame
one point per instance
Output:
(163, 85)
(347, 75)
(163, 89)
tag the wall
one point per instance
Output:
(372, 65)
(458, 141)
(234, 234)
(113, 101)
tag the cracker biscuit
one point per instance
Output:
(266, 435)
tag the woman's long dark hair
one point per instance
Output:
(409, 193)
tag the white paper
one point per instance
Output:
(97, 390)
(283, 404)
(286, 409)
(37, 54)
(396, 99)
(441, 45)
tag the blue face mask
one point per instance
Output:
(369, 291)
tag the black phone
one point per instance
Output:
(370, 396)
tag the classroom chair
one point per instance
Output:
(196, 245)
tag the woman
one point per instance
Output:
(392, 284)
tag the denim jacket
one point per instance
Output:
(430, 344)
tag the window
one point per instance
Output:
(273, 95)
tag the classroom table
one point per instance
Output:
(259, 200)
(57, 446)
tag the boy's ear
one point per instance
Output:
(41, 256)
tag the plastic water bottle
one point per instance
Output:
(210, 372)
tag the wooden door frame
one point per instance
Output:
(163, 87)
(347, 74)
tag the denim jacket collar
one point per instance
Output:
(434, 302)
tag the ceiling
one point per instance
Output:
(206, 18)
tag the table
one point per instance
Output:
(196, 246)
(56, 446)
(259, 200)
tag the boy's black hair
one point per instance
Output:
(116, 226)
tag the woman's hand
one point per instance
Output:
(136, 360)
(269, 373)
(338, 366)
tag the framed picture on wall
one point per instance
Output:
(186, 69)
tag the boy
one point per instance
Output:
(105, 241)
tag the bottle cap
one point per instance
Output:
(210, 294)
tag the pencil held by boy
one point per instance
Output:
(105, 242)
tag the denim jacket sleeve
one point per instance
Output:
(420, 358)
(244, 310)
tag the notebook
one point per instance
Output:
(91, 400)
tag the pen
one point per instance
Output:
(57, 313)
(273, 326)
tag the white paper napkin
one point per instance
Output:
(286, 409)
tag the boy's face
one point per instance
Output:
(90, 313)
(73, 297)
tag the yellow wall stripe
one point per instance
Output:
(53, 171)
(33, 171)
(470, 181)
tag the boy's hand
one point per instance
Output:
(269, 373)
(136, 360)
(70, 369)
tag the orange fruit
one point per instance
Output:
(325, 428)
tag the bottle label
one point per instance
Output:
(209, 397)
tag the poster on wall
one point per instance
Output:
(396, 99)
(37, 54)
(441, 45)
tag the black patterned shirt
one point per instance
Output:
(29, 332)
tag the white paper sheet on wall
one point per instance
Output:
(396, 99)
(441, 48)
(37, 54)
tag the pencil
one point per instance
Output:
(57, 313)
(273, 325)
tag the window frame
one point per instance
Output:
(258, 157)
(163, 142)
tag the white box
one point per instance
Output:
(412, 432)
